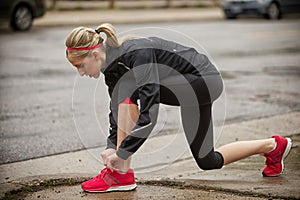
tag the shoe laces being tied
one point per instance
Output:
(102, 174)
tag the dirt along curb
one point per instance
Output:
(58, 188)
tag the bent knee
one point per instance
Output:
(214, 160)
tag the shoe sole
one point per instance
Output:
(285, 154)
(115, 189)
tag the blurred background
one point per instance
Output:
(20, 13)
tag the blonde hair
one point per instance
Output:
(82, 37)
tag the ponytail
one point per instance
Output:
(110, 32)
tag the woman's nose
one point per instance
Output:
(81, 72)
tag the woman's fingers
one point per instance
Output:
(114, 162)
(106, 153)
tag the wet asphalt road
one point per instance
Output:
(46, 108)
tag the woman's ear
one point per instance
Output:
(96, 54)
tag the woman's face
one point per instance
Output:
(90, 65)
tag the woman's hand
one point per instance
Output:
(106, 153)
(115, 163)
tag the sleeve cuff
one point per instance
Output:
(111, 145)
(121, 153)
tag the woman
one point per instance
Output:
(140, 74)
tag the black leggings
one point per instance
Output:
(195, 96)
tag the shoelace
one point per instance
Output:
(273, 167)
(102, 174)
(271, 160)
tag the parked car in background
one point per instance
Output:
(21, 13)
(270, 9)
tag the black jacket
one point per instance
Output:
(135, 70)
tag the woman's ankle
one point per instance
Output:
(271, 146)
(127, 164)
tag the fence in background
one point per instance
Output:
(111, 4)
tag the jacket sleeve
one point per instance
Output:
(145, 70)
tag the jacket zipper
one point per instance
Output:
(120, 63)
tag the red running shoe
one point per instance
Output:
(275, 158)
(108, 181)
